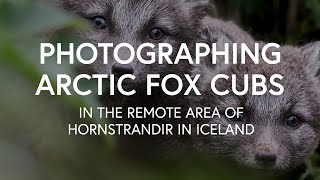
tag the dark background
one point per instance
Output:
(282, 21)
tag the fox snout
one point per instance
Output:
(122, 69)
(265, 155)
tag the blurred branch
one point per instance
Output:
(292, 16)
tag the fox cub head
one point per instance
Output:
(287, 127)
(136, 22)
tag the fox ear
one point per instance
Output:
(212, 35)
(311, 54)
(199, 7)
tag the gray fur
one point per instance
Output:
(129, 21)
(267, 113)
(312, 53)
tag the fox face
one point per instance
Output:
(136, 22)
(287, 126)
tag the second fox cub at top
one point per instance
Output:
(137, 22)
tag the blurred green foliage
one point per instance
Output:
(33, 140)
(314, 6)
(33, 128)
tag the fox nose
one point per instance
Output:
(266, 158)
(122, 69)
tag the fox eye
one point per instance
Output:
(156, 33)
(293, 121)
(99, 22)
